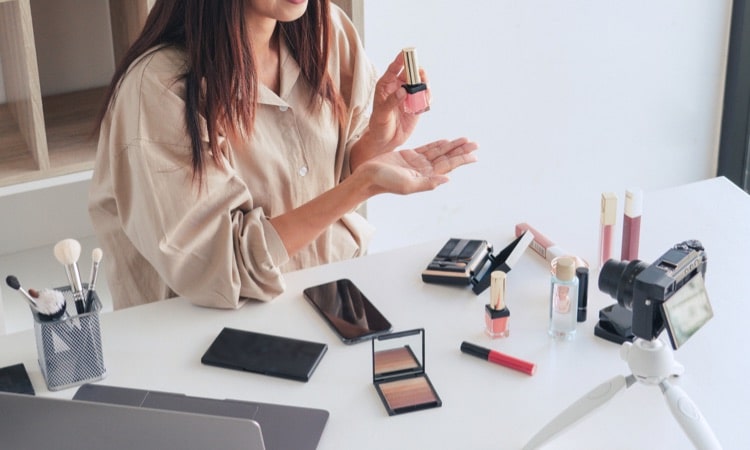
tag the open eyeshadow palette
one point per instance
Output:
(398, 372)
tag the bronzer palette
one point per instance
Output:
(398, 372)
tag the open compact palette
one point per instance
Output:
(398, 372)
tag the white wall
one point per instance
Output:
(566, 99)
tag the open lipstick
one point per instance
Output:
(416, 98)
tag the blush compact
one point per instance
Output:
(398, 372)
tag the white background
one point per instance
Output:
(567, 99)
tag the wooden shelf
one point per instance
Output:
(69, 120)
(52, 136)
(71, 145)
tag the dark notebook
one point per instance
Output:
(15, 379)
(266, 354)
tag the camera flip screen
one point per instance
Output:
(687, 311)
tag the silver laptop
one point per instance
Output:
(33, 423)
(135, 418)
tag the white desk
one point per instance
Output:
(485, 406)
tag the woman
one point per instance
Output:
(235, 145)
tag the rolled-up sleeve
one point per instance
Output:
(206, 242)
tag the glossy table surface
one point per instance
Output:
(159, 345)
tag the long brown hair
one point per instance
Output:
(213, 34)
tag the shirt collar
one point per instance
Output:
(289, 72)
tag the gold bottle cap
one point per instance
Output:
(410, 66)
(565, 269)
(608, 214)
(497, 289)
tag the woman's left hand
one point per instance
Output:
(390, 126)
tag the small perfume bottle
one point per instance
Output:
(563, 299)
(496, 314)
(416, 98)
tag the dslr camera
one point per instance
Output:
(670, 293)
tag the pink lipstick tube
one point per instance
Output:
(607, 219)
(542, 245)
(416, 92)
(631, 224)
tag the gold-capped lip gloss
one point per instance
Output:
(608, 220)
(416, 99)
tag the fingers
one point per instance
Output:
(444, 155)
(445, 147)
(423, 77)
(396, 66)
(389, 93)
(395, 71)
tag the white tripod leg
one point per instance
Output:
(689, 417)
(580, 409)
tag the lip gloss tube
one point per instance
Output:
(607, 219)
(631, 224)
(496, 357)
(416, 91)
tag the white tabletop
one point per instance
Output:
(485, 406)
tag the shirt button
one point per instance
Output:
(283, 108)
(303, 171)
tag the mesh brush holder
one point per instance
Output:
(70, 348)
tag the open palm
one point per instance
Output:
(420, 169)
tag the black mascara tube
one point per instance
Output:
(583, 292)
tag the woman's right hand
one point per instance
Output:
(390, 125)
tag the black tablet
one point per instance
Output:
(265, 354)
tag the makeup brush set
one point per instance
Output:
(66, 322)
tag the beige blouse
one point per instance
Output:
(163, 237)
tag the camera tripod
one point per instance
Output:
(652, 363)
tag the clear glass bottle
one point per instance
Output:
(563, 299)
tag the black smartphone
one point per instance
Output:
(346, 309)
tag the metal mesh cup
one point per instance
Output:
(70, 348)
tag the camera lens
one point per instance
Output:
(616, 279)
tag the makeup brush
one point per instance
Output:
(50, 304)
(13, 282)
(67, 253)
(96, 258)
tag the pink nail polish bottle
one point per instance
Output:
(496, 314)
(416, 99)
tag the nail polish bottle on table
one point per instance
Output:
(496, 313)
